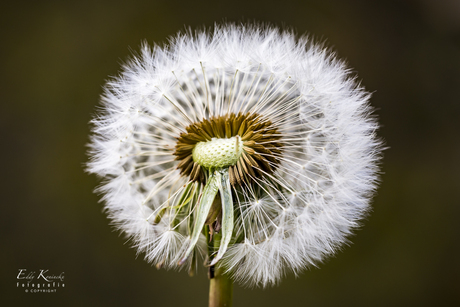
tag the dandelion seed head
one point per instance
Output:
(246, 131)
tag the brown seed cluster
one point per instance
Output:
(261, 146)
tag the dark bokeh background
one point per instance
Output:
(54, 58)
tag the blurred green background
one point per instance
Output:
(56, 55)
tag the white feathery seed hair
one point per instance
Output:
(245, 146)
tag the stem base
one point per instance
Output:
(220, 289)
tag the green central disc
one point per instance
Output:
(218, 153)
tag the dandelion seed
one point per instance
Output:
(246, 146)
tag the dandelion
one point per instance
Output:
(246, 147)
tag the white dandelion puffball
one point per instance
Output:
(245, 147)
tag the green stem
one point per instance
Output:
(220, 289)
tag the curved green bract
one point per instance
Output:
(227, 215)
(207, 198)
